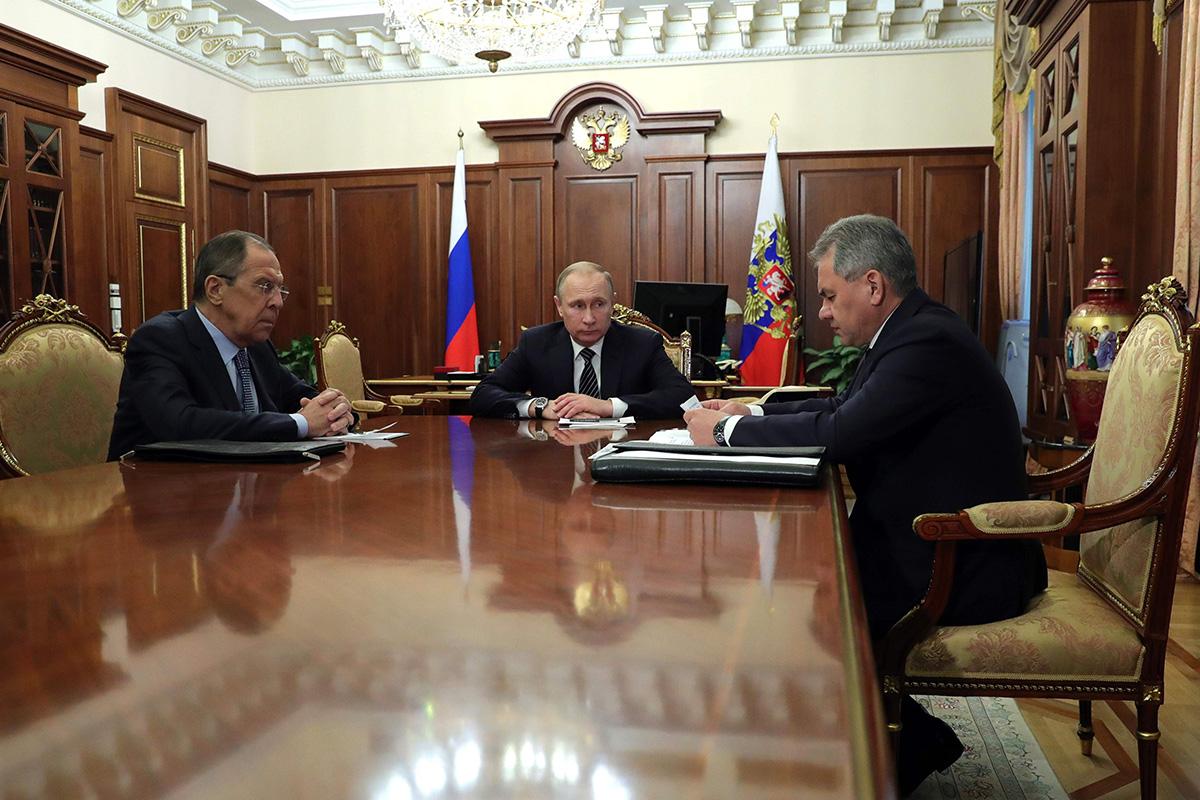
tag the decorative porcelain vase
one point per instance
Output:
(1090, 345)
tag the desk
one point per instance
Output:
(463, 614)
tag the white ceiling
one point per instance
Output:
(266, 44)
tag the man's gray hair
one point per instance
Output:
(865, 242)
(587, 267)
(224, 255)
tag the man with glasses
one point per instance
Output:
(210, 372)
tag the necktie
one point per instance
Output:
(587, 380)
(242, 362)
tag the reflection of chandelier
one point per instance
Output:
(492, 30)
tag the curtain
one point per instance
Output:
(1186, 263)
(1011, 83)
(1012, 214)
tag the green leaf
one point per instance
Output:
(833, 373)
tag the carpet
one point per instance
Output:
(1002, 760)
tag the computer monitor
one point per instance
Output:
(679, 307)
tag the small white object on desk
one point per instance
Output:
(672, 436)
(601, 424)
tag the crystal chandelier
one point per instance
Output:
(492, 30)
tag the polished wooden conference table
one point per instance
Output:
(461, 614)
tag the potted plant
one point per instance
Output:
(300, 359)
(835, 365)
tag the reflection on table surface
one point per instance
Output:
(463, 614)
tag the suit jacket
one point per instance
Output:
(633, 367)
(175, 388)
(928, 425)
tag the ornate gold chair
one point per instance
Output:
(1101, 633)
(59, 379)
(339, 364)
(679, 349)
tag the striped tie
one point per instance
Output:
(587, 380)
(242, 362)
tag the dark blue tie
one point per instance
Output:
(587, 380)
(242, 362)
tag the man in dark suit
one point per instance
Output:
(586, 365)
(210, 372)
(928, 425)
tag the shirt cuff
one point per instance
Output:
(619, 407)
(523, 408)
(301, 426)
(730, 424)
(756, 410)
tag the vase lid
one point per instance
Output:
(1106, 278)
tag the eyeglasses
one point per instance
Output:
(264, 286)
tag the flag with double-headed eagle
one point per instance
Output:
(770, 306)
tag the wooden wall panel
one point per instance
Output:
(294, 228)
(161, 183)
(526, 266)
(160, 252)
(675, 232)
(380, 239)
(95, 239)
(952, 201)
(825, 193)
(381, 274)
(597, 220)
(234, 201)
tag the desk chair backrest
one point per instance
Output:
(59, 379)
(339, 363)
(679, 349)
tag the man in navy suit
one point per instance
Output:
(586, 365)
(210, 372)
(928, 425)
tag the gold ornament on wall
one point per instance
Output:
(600, 137)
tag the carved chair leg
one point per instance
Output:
(1085, 727)
(1147, 736)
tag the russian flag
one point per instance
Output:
(462, 332)
(770, 305)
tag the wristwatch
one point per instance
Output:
(719, 432)
(537, 406)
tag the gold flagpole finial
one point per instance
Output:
(460, 137)
(774, 124)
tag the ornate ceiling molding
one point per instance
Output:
(226, 43)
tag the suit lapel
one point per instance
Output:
(611, 362)
(260, 367)
(907, 308)
(561, 356)
(209, 360)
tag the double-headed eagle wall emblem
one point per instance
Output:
(600, 137)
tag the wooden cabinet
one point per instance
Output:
(39, 150)
(1092, 112)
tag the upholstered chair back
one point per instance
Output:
(1136, 439)
(59, 379)
(339, 361)
(679, 349)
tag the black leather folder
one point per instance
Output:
(247, 452)
(720, 465)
